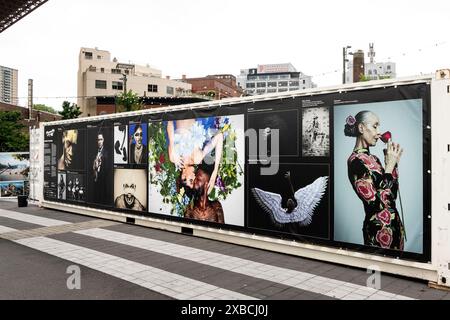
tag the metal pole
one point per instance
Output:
(344, 53)
(125, 83)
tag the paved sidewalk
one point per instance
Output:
(121, 261)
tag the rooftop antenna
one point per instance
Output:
(371, 53)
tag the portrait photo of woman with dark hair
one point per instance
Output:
(138, 144)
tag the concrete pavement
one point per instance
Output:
(120, 261)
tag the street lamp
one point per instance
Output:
(126, 67)
(344, 61)
(124, 82)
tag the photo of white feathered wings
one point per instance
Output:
(307, 200)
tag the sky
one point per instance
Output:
(202, 37)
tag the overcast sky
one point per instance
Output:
(201, 37)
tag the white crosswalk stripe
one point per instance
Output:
(47, 222)
(6, 229)
(167, 283)
(301, 280)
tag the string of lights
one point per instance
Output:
(396, 57)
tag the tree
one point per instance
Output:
(128, 101)
(70, 111)
(43, 107)
(12, 135)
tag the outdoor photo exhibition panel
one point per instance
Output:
(14, 174)
(344, 169)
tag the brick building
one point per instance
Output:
(218, 86)
(37, 116)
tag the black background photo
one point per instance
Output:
(100, 191)
(286, 121)
(70, 179)
(301, 176)
(78, 149)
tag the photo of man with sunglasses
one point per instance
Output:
(127, 199)
(138, 144)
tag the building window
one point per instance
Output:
(370, 72)
(282, 90)
(261, 84)
(294, 83)
(152, 88)
(169, 90)
(116, 71)
(375, 71)
(304, 81)
(100, 84)
(271, 84)
(88, 55)
(251, 78)
(261, 91)
(99, 57)
(388, 67)
(283, 84)
(127, 71)
(274, 77)
(102, 70)
(284, 76)
(271, 90)
(250, 85)
(117, 85)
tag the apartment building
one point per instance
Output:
(271, 78)
(101, 76)
(8, 85)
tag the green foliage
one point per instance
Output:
(12, 135)
(70, 111)
(128, 101)
(43, 107)
(165, 176)
(364, 78)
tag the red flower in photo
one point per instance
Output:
(161, 158)
(385, 197)
(365, 189)
(384, 216)
(158, 167)
(370, 162)
(350, 120)
(384, 237)
(385, 137)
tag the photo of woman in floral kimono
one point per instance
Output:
(376, 187)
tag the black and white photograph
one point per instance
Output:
(130, 189)
(100, 165)
(315, 132)
(62, 186)
(121, 144)
(76, 187)
(293, 201)
(71, 150)
(283, 120)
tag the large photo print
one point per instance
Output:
(378, 175)
(196, 168)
